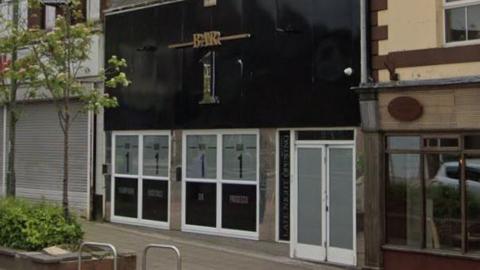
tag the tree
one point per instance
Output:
(60, 55)
(15, 71)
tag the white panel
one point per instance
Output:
(92, 66)
(50, 13)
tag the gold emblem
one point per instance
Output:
(207, 39)
(208, 62)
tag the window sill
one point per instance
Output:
(475, 256)
(461, 43)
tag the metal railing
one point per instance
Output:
(156, 246)
(94, 244)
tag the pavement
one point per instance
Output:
(199, 252)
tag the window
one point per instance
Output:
(424, 184)
(404, 195)
(462, 20)
(140, 178)
(221, 182)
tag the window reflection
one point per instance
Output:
(126, 154)
(202, 157)
(443, 207)
(404, 200)
(472, 168)
(404, 142)
(240, 157)
(155, 156)
(473, 15)
(455, 24)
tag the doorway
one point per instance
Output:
(323, 196)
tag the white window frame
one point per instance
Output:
(140, 177)
(219, 181)
(453, 5)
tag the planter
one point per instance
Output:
(20, 260)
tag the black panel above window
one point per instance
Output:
(326, 135)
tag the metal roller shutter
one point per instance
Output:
(39, 159)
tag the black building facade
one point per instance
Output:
(240, 120)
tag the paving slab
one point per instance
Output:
(199, 252)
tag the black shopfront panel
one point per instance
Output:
(239, 207)
(126, 197)
(289, 73)
(155, 200)
(201, 204)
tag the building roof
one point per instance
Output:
(420, 83)
(125, 5)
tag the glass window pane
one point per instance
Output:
(443, 213)
(126, 195)
(240, 157)
(239, 207)
(472, 169)
(202, 156)
(455, 24)
(155, 200)
(404, 200)
(155, 156)
(341, 198)
(473, 22)
(126, 154)
(201, 207)
(472, 142)
(403, 142)
(449, 142)
(310, 203)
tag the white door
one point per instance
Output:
(324, 204)
(341, 237)
(310, 234)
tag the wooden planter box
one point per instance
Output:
(19, 260)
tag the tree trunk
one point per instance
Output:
(12, 113)
(12, 126)
(66, 123)
(66, 148)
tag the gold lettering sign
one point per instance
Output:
(207, 39)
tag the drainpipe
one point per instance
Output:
(363, 41)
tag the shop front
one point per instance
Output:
(429, 145)
(224, 188)
(140, 178)
(220, 188)
(240, 122)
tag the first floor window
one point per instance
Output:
(425, 190)
(140, 179)
(221, 181)
(462, 20)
